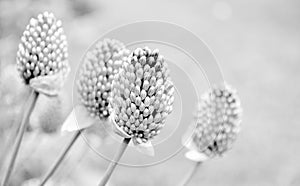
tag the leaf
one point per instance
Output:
(145, 148)
(116, 128)
(187, 140)
(78, 119)
(49, 85)
(196, 156)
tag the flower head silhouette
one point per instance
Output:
(217, 122)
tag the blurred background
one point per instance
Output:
(257, 44)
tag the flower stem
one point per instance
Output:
(60, 158)
(114, 163)
(9, 141)
(31, 103)
(190, 175)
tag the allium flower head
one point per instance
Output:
(43, 48)
(142, 95)
(100, 64)
(217, 121)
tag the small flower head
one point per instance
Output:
(43, 48)
(100, 64)
(217, 121)
(142, 95)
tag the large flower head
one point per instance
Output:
(142, 95)
(100, 64)
(217, 121)
(43, 48)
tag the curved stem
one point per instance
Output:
(31, 103)
(190, 175)
(60, 158)
(115, 161)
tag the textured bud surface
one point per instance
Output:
(217, 121)
(100, 64)
(142, 95)
(43, 48)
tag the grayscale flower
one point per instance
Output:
(142, 96)
(43, 48)
(100, 64)
(217, 122)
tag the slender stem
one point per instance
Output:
(31, 103)
(60, 158)
(190, 175)
(114, 163)
(71, 168)
(9, 140)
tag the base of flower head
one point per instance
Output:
(117, 129)
(50, 85)
(196, 156)
(79, 119)
(144, 146)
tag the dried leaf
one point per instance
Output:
(145, 148)
(187, 140)
(49, 85)
(116, 128)
(196, 156)
(78, 119)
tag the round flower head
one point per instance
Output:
(217, 121)
(142, 95)
(43, 48)
(100, 64)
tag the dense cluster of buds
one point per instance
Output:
(217, 121)
(100, 64)
(142, 95)
(43, 48)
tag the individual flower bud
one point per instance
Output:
(217, 121)
(43, 48)
(100, 64)
(142, 95)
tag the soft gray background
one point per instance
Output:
(257, 44)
